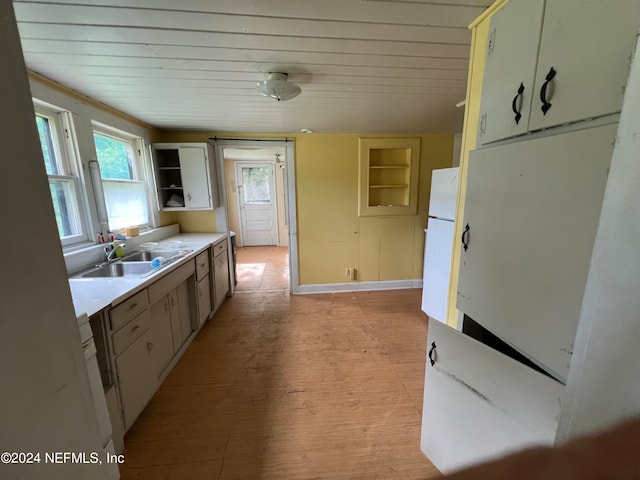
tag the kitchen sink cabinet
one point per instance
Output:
(171, 312)
(142, 337)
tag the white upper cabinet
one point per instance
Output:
(194, 169)
(186, 176)
(565, 65)
(588, 43)
(507, 89)
(531, 215)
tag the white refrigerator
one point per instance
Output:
(439, 243)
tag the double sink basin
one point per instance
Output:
(135, 264)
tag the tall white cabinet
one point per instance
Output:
(534, 193)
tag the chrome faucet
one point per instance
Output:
(110, 251)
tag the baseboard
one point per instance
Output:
(359, 286)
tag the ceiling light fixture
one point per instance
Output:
(277, 87)
(306, 130)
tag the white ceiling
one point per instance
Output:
(364, 66)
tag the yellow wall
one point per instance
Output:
(331, 236)
(480, 35)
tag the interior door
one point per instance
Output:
(257, 193)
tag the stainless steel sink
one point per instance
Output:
(118, 269)
(147, 256)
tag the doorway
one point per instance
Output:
(257, 180)
(257, 204)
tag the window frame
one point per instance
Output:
(69, 171)
(140, 170)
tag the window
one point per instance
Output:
(255, 181)
(120, 158)
(55, 133)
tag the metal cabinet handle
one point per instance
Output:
(135, 328)
(514, 103)
(546, 105)
(133, 305)
(465, 242)
(433, 355)
(149, 346)
(483, 124)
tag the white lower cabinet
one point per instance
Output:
(182, 310)
(137, 379)
(204, 300)
(480, 403)
(171, 322)
(221, 273)
(161, 334)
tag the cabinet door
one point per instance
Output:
(532, 210)
(222, 277)
(204, 300)
(507, 87)
(479, 403)
(161, 334)
(137, 377)
(184, 312)
(588, 43)
(195, 177)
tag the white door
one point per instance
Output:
(257, 204)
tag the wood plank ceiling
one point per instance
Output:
(364, 66)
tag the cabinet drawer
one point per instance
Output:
(202, 265)
(161, 287)
(128, 309)
(126, 335)
(219, 247)
(480, 404)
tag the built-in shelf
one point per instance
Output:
(388, 176)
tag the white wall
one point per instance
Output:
(45, 403)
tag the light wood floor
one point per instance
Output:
(291, 387)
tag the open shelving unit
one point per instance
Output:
(388, 176)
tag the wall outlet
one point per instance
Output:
(350, 273)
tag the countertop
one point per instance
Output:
(90, 295)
